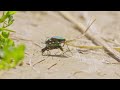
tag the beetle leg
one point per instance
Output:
(43, 51)
(61, 50)
(63, 44)
(69, 49)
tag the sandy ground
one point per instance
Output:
(90, 64)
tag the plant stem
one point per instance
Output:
(93, 47)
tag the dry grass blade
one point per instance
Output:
(52, 66)
(68, 41)
(96, 39)
(39, 62)
(93, 47)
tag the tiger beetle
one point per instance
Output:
(54, 43)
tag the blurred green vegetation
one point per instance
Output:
(10, 54)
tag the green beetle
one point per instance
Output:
(54, 43)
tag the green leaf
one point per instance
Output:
(6, 29)
(11, 12)
(11, 42)
(5, 34)
(6, 15)
(3, 18)
(12, 56)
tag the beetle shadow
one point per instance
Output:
(60, 56)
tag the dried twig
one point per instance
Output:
(76, 72)
(82, 34)
(16, 38)
(39, 62)
(95, 38)
(52, 66)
